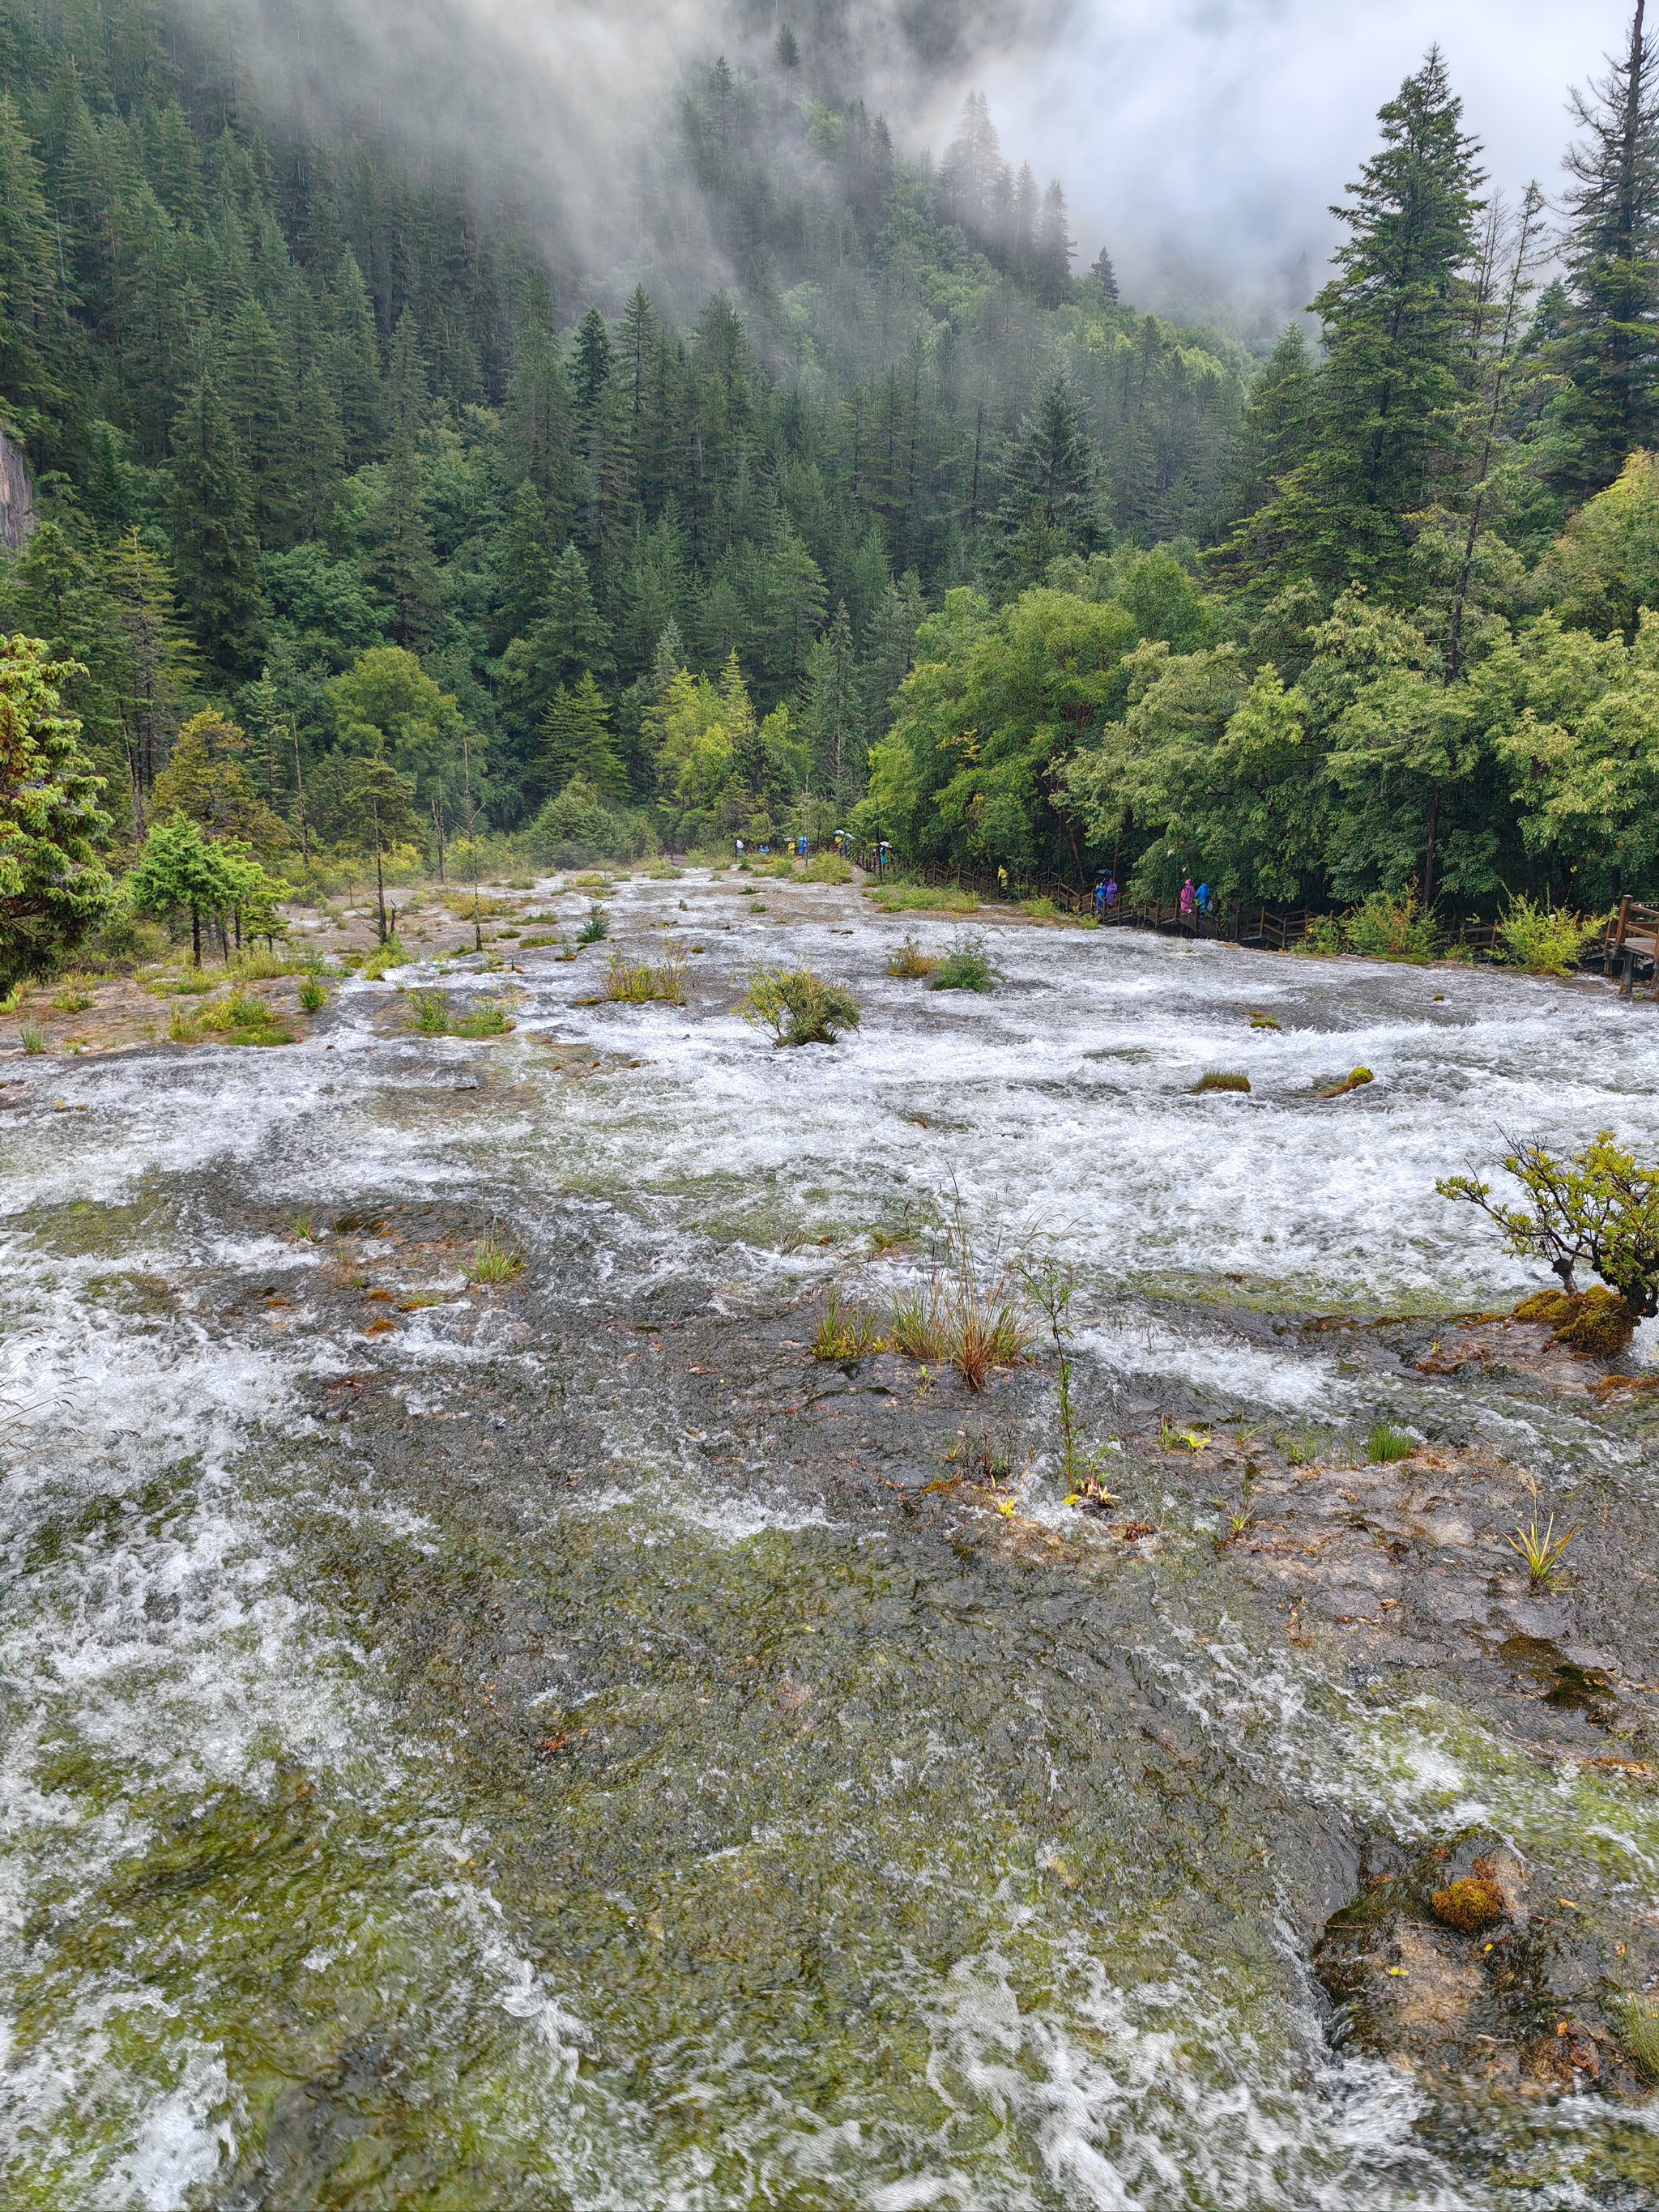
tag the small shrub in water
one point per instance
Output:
(1220, 1080)
(966, 967)
(798, 1006)
(489, 1020)
(1384, 1444)
(1599, 1210)
(1544, 939)
(1387, 927)
(313, 994)
(428, 1013)
(595, 929)
(392, 954)
(1323, 937)
(910, 962)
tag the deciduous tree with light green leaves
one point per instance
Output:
(54, 886)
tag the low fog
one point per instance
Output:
(1201, 141)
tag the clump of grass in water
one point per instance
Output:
(313, 994)
(34, 1041)
(489, 1020)
(845, 1331)
(638, 982)
(910, 963)
(428, 1013)
(973, 1317)
(798, 1006)
(1640, 2017)
(72, 997)
(392, 954)
(494, 1262)
(595, 929)
(1541, 1550)
(1385, 1443)
(1220, 1080)
(967, 967)
(1357, 1081)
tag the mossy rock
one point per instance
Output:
(1472, 1905)
(1596, 1324)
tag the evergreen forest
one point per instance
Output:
(365, 522)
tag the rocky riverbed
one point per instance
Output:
(554, 1742)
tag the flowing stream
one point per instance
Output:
(557, 1745)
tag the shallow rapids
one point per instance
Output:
(557, 1745)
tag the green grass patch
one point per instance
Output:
(920, 898)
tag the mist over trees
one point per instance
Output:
(900, 519)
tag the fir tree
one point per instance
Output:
(1051, 258)
(54, 888)
(215, 549)
(1048, 504)
(1397, 360)
(1610, 347)
(592, 369)
(259, 403)
(27, 335)
(833, 716)
(405, 564)
(1104, 274)
(576, 741)
(1270, 445)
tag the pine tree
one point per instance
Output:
(1104, 274)
(591, 375)
(54, 888)
(259, 401)
(27, 335)
(1051, 260)
(1270, 445)
(352, 360)
(1397, 360)
(405, 564)
(158, 673)
(216, 552)
(1610, 347)
(576, 741)
(833, 717)
(320, 452)
(537, 430)
(522, 561)
(571, 640)
(1048, 504)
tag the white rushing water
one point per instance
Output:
(159, 1656)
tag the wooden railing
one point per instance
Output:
(1275, 929)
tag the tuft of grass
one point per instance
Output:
(975, 1317)
(73, 998)
(845, 1331)
(267, 967)
(1639, 2016)
(591, 882)
(1265, 1022)
(428, 1013)
(967, 967)
(910, 963)
(493, 1261)
(1385, 1443)
(34, 1041)
(595, 929)
(392, 954)
(798, 1006)
(313, 994)
(1221, 1080)
(1357, 1081)
(920, 898)
(1540, 1549)
(491, 1019)
(638, 982)
(826, 868)
(1040, 909)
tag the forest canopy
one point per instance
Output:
(910, 526)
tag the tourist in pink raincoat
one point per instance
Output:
(1188, 900)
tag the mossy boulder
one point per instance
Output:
(1596, 1324)
(1471, 1906)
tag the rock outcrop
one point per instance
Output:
(17, 497)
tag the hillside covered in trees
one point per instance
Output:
(904, 517)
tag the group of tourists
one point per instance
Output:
(1196, 901)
